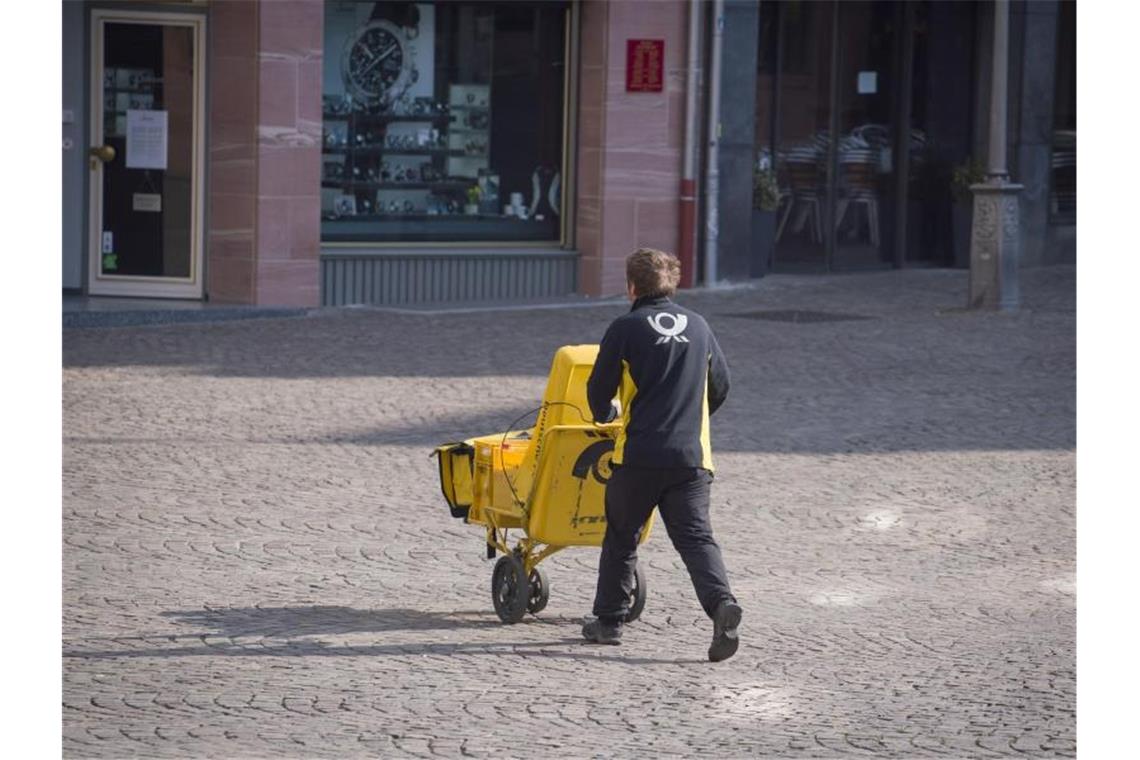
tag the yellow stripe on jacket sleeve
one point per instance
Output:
(706, 439)
(626, 392)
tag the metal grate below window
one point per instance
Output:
(398, 280)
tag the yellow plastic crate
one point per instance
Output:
(493, 498)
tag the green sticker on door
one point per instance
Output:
(110, 260)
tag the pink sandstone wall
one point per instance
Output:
(232, 112)
(265, 129)
(265, 126)
(629, 143)
(289, 152)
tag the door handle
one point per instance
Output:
(105, 153)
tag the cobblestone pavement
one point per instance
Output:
(258, 562)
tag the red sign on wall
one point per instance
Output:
(644, 65)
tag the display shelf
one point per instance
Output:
(447, 158)
(379, 150)
(384, 118)
(460, 132)
(354, 184)
(420, 216)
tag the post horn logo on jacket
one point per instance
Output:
(673, 332)
(664, 363)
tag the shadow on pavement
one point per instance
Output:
(369, 344)
(436, 430)
(316, 620)
(590, 652)
(284, 628)
(914, 378)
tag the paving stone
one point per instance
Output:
(258, 561)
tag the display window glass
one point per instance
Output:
(1063, 168)
(443, 122)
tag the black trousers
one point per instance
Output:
(681, 496)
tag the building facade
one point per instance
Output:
(331, 152)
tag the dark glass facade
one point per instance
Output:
(1063, 169)
(867, 124)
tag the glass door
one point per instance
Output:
(864, 170)
(830, 122)
(146, 154)
(794, 136)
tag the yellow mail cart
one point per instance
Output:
(547, 482)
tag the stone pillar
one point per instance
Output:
(232, 151)
(996, 236)
(629, 143)
(265, 130)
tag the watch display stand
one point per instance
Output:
(469, 133)
(393, 161)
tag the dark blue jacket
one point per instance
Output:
(672, 376)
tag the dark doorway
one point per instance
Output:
(863, 112)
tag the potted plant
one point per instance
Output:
(765, 202)
(473, 196)
(969, 173)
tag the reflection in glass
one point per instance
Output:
(795, 78)
(442, 121)
(1063, 190)
(867, 86)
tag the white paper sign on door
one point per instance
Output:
(868, 82)
(146, 139)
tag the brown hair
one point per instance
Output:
(652, 273)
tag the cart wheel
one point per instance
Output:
(637, 596)
(509, 589)
(539, 586)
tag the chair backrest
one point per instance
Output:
(803, 176)
(859, 171)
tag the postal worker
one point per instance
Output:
(664, 365)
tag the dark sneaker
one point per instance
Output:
(725, 640)
(599, 632)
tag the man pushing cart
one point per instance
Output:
(592, 470)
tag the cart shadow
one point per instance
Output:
(286, 632)
(287, 622)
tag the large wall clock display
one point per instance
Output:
(377, 63)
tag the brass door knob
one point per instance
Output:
(104, 153)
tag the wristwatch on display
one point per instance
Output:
(377, 63)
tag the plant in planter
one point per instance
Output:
(473, 196)
(970, 173)
(765, 202)
(765, 190)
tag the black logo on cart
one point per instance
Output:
(595, 459)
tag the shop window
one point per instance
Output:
(1063, 173)
(443, 122)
